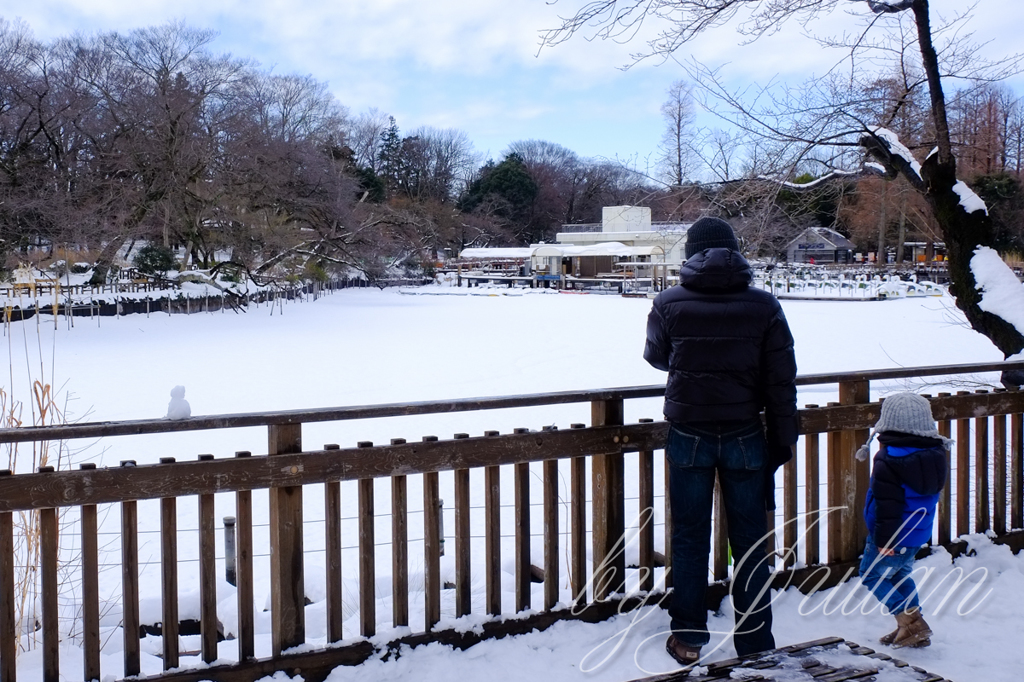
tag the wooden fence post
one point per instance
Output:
(789, 507)
(1016, 470)
(367, 555)
(521, 495)
(207, 574)
(207, 579)
(287, 584)
(646, 517)
(982, 510)
(852, 476)
(332, 552)
(463, 576)
(945, 497)
(551, 568)
(431, 547)
(578, 527)
(48, 587)
(130, 586)
(243, 566)
(169, 576)
(833, 496)
(399, 548)
(8, 625)
(963, 474)
(999, 474)
(609, 506)
(812, 491)
(90, 591)
(492, 536)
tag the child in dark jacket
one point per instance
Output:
(909, 472)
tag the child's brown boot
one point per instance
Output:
(912, 630)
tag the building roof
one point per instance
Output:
(496, 252)
(562, 250)
(599, 249)
(655, 227)
(828, 239)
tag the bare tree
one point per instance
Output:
(364, 135)
(445, 161)
(675, 149)
(113, 138)
(826, 116)
(558, 173)
(294, 107)
(1014, 134)
(152, 91)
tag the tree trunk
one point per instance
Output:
(167, 227)
(188, 254)
(963, 232)
(880, 258)
(106, 260)
(901, 236)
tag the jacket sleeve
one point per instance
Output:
(778, 380)
(890, 499)
(659, 345)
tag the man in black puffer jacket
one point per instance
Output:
(729, 354)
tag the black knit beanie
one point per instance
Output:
(709, 233)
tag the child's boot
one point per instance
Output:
(912, 630)
(889, 638)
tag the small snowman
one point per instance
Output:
(178, 408)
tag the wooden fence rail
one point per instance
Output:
(585, 538)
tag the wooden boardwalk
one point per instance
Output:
(832, 659)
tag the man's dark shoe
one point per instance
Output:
(684, 654)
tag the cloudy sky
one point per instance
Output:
(474, 64)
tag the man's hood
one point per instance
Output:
(716, 269)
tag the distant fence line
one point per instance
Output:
(176, 304)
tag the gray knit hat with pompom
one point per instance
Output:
(905, 413)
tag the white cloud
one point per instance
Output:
(473, 64)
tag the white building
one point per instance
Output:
(631, 226)
(625, 246)
(820, 245)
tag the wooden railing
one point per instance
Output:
(625, 506)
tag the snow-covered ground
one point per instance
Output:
(367, 346)
(977, 631)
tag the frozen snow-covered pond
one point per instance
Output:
(363, 346)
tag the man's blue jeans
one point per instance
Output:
(737, 451)
(888, 577)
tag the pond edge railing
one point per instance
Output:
(134, 427)
(288, 467)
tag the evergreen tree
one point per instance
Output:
(509, 182)
(390, 165)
